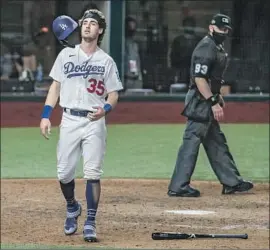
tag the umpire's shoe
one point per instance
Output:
(186, 191)
(89, 231)
(71, 221)
(241, 187)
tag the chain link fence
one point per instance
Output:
(159, 22)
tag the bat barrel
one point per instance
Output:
(231, 236)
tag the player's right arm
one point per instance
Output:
(53, 94)
(204, 57)
(51, 100)
(52, 97)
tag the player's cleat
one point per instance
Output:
(187, 191)
(71, 221)
(241, 187)
(89, 232)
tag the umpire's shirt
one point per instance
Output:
(208, 61)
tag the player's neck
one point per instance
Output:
(89, 48)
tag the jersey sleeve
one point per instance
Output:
(112, 79)
(203, 59)
(56, 72)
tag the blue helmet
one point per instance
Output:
(63, 26)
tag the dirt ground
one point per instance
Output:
(33, 212)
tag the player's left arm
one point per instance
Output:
(112, 99)
(113, 84)
(110, 104)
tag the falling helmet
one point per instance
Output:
(63, 26)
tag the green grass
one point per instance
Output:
(135, 151)
(35, 246)
(41, 247)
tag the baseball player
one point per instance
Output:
(86, 80)
(204, 109)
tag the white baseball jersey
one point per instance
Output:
(85, 80)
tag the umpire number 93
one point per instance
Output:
(201, 68)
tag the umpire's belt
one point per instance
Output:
(82, 113)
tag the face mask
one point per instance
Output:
(219, 37)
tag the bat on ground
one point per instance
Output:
(183, 236)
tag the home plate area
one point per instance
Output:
(33, 212)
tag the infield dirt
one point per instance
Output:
(33, 212)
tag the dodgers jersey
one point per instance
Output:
(84, 80)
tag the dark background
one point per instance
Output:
(158, 23)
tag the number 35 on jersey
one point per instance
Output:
(95, 86)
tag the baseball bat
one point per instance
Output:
(183, 236)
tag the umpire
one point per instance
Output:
(204, 109)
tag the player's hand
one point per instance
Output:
(218, 112)
(97, 114)
(221, 101)
(45, 127)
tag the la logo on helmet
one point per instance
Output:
(63, 26)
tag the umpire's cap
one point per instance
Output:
(221, 21)
(63, 26)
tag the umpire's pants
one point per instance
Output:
(216, 148)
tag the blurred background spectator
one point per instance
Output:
(132, 61)
(42, 14)
(26, 65)
(155, 40)
(182, 48)
(7, 64)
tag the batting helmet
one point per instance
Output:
(99, 17)
(62, 27)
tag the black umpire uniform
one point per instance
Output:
(209, 61)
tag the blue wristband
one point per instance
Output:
(47, 110)
(107, 107)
